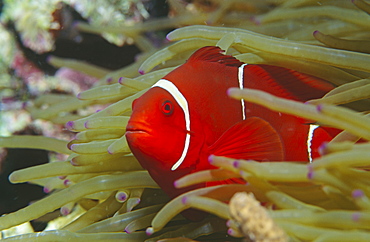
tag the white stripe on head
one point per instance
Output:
(310, 134)
(183, 103)
(241, 86)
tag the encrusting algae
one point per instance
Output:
(326, 200)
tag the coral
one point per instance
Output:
(253, 219)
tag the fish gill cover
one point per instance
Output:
(102, 191)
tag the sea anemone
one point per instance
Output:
(109, 196)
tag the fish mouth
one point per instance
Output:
(136, 131)
(136, 128)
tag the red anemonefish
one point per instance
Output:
(187, 116)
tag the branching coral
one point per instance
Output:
(254, 221)
(322, 201)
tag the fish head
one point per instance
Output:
(156, 129)
(159, 137)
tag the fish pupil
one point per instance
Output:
(167, 107)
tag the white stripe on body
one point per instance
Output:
(241, 86)
(310, 135)
(181, 100)
(311, 130)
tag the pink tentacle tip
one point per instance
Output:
(86, 124)
(255, 20)
(109, 80)
(64, 211)
(122, 197)
(322, 148)
(138, 201)
(184, 200)
(310, 173)
(141, 72)
(78, 95)
(69, 125)
(175, 184)
(67, 182)
(46, 190)
(120, 80)
(109, 150)
(319, 108)
(49, 58)
(229, 91)
(127, 230)
(358, 193)
(232, 91)
(75, 24)
(72, 147)
(62, 177)
(168, 37)
(149, 231)
(73, 162)
(356, 216)
(236, 164)
(209, 22)
(228, 223)
(211, 158)
(315, 32)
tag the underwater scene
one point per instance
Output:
(185, 120)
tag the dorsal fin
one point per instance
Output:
(287, 83)
(214, 54)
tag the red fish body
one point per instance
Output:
(187, 116)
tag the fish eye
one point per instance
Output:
(167, 107)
